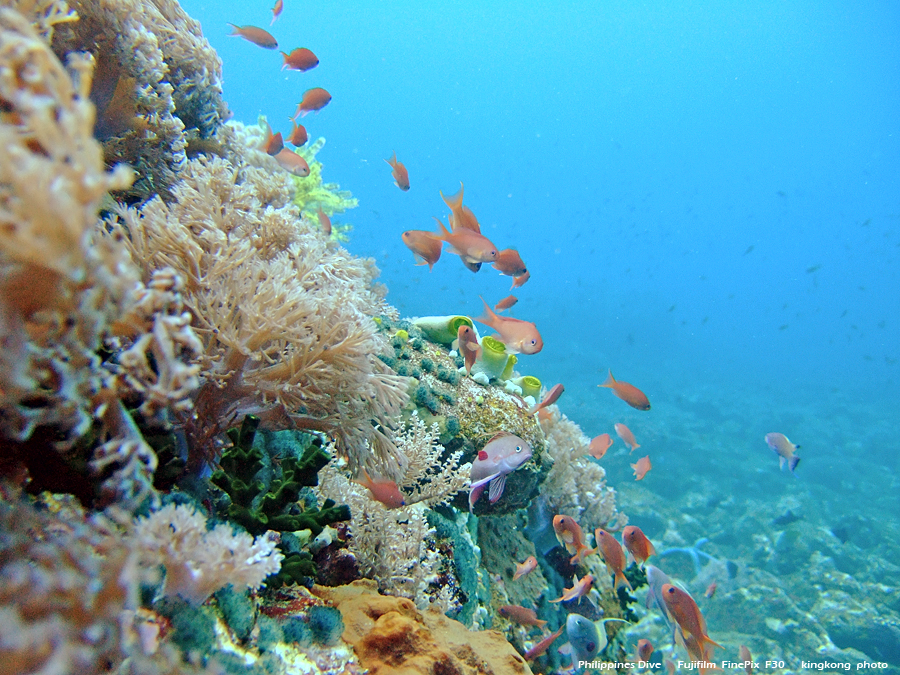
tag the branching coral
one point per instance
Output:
(66, 291)
(285, 316)
(198, 561)
(396, 547)
(158, 84)
(575, 485)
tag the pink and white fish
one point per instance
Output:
(502, 455)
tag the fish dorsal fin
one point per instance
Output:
(498, 436)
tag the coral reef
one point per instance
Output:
(389, 635)
(157, 86)
(199, 562)
(291, 338)
(67, 292)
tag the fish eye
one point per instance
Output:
(591, 646)
(534, 342)
(518, 448)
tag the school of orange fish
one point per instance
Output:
(504, 452)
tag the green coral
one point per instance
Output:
(312, 194)
(258, 506)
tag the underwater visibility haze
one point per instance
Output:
(706, 196)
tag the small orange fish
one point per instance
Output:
(400, 174)
(526, 567)
(543, 645)
(298, 135)
(686, 613)
(569, 534)
(520, 280)
(301, 59)
(613, 556)
(325, 223)
(510, 263)
(518, 336)
(276, 11)
(506, 303)
(257, 36)
(627, 437)
(551, 398)
(293, 163)
(273, 143)
(472, 247)
(467, 346)
(521, 615)
(460, 216)
(627, 392)
(599, 445)
(637, 544)
(383, 490)
(425, 246)
(782, 447)
(711, 590)
(746, 659)
(641, 468)
(580, 588)
(644, 649)
(313, 100)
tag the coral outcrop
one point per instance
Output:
(157, 87)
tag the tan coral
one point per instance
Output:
(64, 285)
(390, 636)
(158, 84)
(286, 318)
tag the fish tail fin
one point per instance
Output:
(454, 201)
(610, 381)
(620, 579)
(793, 462)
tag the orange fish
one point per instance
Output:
(510, 263)
(313, 100)
(298, 135)
(525, 568)
(293, 163)
(641, 468)
(644, 649)
(711, 589)
(637, 544)
(276, 11)
(551, 398)
(599, 445)
(627, 437)
(300, 59)
(580, 588)
(686, 613)
(383, 490)
(400, 174)
(460, 216)
(426, 246)
(520, 280)
(273, 143)
(746, 659)
(569, 534)
(543, 645)
(470, 246)
(627, 392)
(506, 303)
(467, 346)
(257, 36)
(325, 223)
(782, 447)
(518, 336)
(613, 556)
(521, 615)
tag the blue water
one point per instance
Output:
(707, 196)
